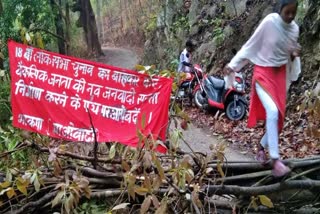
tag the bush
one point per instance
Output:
(5, 108)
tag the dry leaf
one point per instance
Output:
(120, 206)
(265, 201)
(145, 205)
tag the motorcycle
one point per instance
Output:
(187, 85)
(213, 92)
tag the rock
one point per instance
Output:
(194, 30)
(212, 12)
(235, 7)
(316, 91)
(205, 48)
(207, 36)
(228, 31)
(147, 43)
(267, 11)
(194, 12)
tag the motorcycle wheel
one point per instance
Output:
(199, 99)
(235, 110)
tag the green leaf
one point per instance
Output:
(265, 201)
(39, 40)
(22, 189)
(112, 152)
(140, 68)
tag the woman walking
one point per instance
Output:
(272, 47)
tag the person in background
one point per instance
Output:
(271, 48)
(185, 58)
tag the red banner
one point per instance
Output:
(56, 95)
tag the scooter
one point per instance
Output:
(188, 85)
(213, 93)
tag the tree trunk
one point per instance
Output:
(98, 8)
(1, 11)
(68, 27)
(88, 22)
(58, 21)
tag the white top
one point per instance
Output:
(184, 57)
(271, 45)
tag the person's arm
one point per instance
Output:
(250, 48)
(186, 63)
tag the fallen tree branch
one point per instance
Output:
(32, 206)
(96, 173)
(303, 173)
(261, 190)
(255, 166)
(315, 157)
(117, 192)
(96, 144)
(79, 157)
(244, 176)
(105, 182)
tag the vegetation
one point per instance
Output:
(39, 174)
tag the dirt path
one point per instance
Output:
(198, 139)
(119, 57)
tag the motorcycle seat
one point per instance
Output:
(217, 83)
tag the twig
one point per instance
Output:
(18, 148)
(303, 173)
(48, 32)
(195, 206)
(264, 180)
(193, 152)
(96, 144)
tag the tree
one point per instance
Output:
(1, 59)
(99, 19)
(87, 21)
(58, 20)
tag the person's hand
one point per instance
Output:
(227, 70)
(296, 51)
